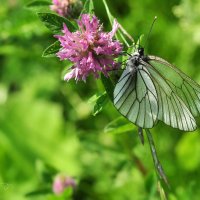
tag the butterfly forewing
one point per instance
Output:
(135, 97)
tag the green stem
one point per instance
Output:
(123, 38)
(111, 18)
(121, 31)
(158, 166)
(126, 33)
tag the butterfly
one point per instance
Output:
(151, 89)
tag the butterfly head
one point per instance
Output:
(141, 51)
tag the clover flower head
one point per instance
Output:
(60, 6)
(90, 49)
(66, 8)
(62, 182)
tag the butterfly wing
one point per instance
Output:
(188, 90)
(178, 95)
(135, 97)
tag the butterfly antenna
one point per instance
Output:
(150, 30)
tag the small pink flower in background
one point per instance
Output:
(66, 7)
(60, 6)
(61, 183)
(90, 49)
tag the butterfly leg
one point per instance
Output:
(140, 134)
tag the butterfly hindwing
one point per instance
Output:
(135, 97)
(173, 108)
(185, 87)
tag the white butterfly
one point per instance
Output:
(151, 89)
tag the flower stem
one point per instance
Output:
(121, 30)
(110, 17)
(158, 166)
(126, 33)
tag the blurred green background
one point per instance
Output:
(47, 126)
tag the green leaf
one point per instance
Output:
(34, 4)
(118, 126)
(100, 103)
(108, 85)
(95, 97)
(67, 193)
(55, 23)
(88, 7)
(51, 50)
(91, 6)
(39, 192)
(100, 100)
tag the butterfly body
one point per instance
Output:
(135, 60)
(151, 89)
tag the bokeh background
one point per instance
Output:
(47, 126)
